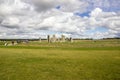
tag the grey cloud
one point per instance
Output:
(31, 16)
(9, 26)
(66, 6)
(106, 5)
(42, 5)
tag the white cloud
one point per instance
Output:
(66, 6)
(10, 21)
(10, 7)
(106, 5)
(73, 5)
(28, 17)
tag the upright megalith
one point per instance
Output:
(39, 39)
(53, 39)
(48, 38)
(71, 39)
(62, 38)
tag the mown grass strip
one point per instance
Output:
(62, 48)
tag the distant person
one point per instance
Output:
(12, 42)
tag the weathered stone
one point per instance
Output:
(48, 38)
(53, 39)
(71, 40)
(62, 38)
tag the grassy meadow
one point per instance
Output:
(80, 60)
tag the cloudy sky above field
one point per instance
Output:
(73, 18)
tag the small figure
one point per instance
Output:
(12, 42)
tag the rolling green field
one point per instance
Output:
(80, 60)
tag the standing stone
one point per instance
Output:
(48, 38)
(58, 39)
(40, 39)
(71, 40)
(53, 39)
(62, 38)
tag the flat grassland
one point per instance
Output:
(80, 60)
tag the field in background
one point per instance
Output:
(80, 60)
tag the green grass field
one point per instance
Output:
(80, 60)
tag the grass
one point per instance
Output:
(57, 61)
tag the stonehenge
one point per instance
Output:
(53, 38)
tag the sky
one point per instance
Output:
(73, 18)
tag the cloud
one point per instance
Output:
(66, 6)
(23, 18)
(42, 5)
(105, 5)
(73, 5)
(9, 7)
(10, 21)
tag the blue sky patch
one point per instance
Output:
(98, 29)
(86, 14)
(58, 7)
